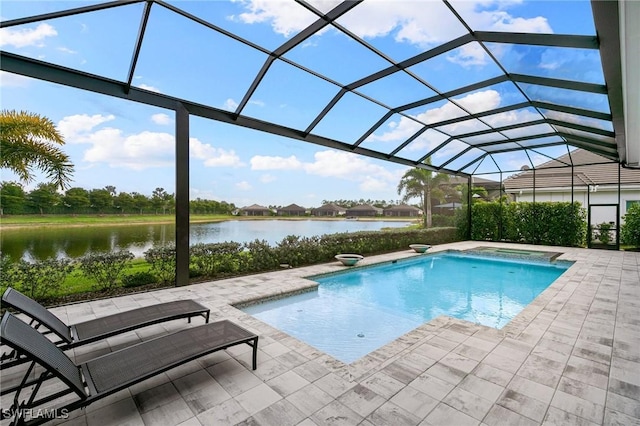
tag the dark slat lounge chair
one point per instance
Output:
(110, 373)
(99, 328)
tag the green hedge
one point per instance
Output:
(43, 279)
(547, 223)
(630, 229)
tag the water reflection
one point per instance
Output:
(44, 243)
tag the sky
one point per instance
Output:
(131, 146)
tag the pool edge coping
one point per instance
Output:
(379, 356)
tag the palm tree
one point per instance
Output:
(423, 184)
(480, 191)
(25, 144)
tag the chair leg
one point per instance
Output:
(255, 353)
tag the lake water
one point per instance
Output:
(45, 243)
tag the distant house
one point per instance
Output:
(402, 210)
(329, 209)
(596, 182)
(364, 210)
(255, 210)
(292, 210)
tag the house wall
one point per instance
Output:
(602, 195)
(256, 212)
(367, 213)
(401, 213)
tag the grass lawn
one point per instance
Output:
(97, 220)
(77, 282)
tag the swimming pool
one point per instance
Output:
(357, 311)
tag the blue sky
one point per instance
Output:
(130, 146)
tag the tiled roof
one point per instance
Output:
(255, 207)
(293, 207)
(589, 169)
(330, 207)
(402, 207)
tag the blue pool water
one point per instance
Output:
(358, 311)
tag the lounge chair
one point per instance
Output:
(110, 373)
(99, 328)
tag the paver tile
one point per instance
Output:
(309, 399)
(468, 403)
(414, 401)
(391, 414)
(578, 406)
(444, 414)
(362, 400)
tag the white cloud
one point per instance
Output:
(406, 21)
(137, 152)
(162, 119)
(67, 50)
(508, 23)
(493, 15)
(335, 164)
(243, 186)
(405, 127)
(261, 162)
(343, 165)
(149, 88)
(213, 157)
(285, 17)
(469, 55)
(230, 105)
(511, 117)
(26, 36)
(480, 101)
(267, 178)
(204, 194)
(76, 128)
(8, 79)
(352, 167)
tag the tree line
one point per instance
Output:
(47, 199)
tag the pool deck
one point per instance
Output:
(572, 357)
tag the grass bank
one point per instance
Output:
(17, 222)
(98, 220)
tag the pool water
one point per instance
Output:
(358, 311)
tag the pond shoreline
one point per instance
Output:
(107, 220)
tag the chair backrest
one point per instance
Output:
(14, 299)
(36, 347)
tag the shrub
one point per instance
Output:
(163, 262)
(441, 220)
(42, 279)
(211, 259)
(138, 279)
(462, 222)
(604, 232)
(105, 268)
(550, 223)
(295, 251)
(261, 257)
(7, 272)
(630, 229)
(486, 219)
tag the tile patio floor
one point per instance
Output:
(572, 357)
